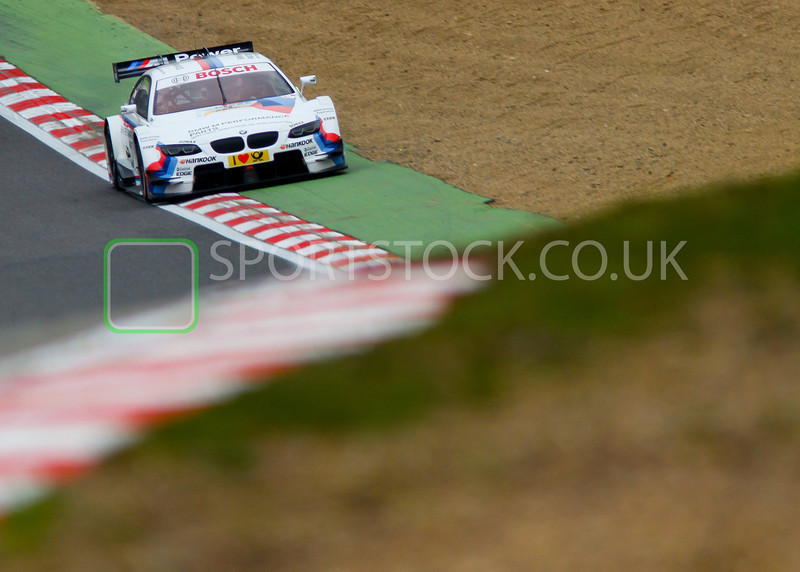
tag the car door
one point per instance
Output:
(140, 99)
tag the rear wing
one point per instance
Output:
(136, 68)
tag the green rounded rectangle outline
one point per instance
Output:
(107, 284)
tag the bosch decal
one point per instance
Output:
(224, 71)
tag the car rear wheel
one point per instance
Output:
(147, 196)
(111, 160)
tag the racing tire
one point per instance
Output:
(111, 160)
(147, 196)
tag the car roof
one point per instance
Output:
(209, 62)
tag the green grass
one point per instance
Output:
(513, 325)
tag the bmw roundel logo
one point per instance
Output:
(243, 132)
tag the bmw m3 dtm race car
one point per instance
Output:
(217, 118)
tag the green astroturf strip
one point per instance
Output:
(69, 46)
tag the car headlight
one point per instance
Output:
(305, 129)
(176, 150)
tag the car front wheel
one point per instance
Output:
(111, 160)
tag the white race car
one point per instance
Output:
(215, 119)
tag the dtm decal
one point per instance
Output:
(224, 71)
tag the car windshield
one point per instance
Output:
(226, 85)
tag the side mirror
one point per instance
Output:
(307, 80)
(127, 108)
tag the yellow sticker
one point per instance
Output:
(248, 158)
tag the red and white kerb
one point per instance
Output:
(43, 107)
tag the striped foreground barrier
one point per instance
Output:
(66, 406)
